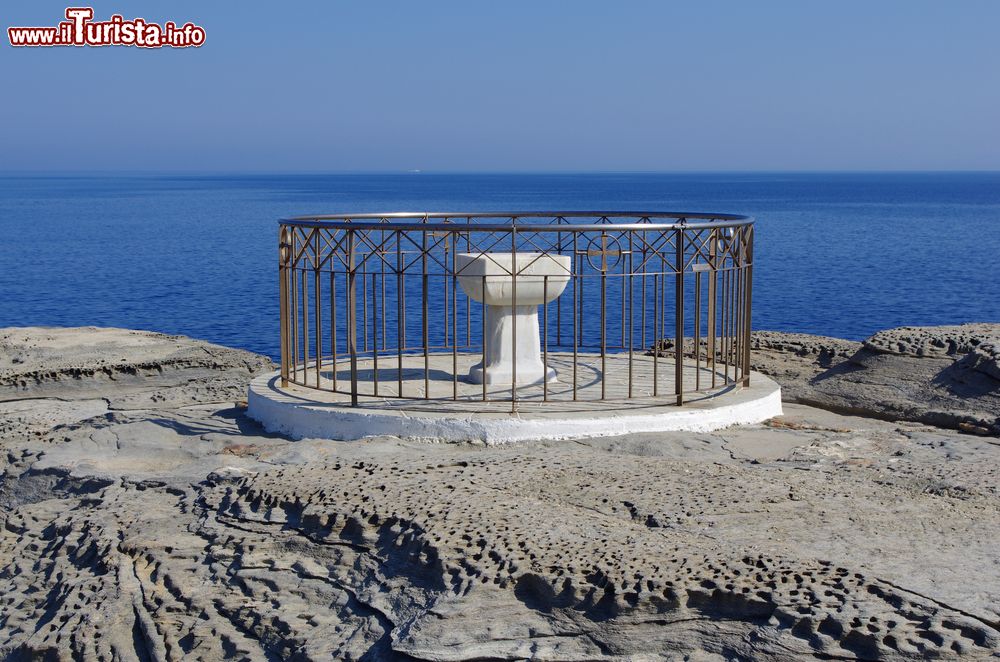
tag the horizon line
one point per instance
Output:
(418, 172)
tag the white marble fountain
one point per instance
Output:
(511, 326)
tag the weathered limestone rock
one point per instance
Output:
(129, 369)
(185, 532)
(947, 376)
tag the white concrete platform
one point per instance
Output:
(300, 412)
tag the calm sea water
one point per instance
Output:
(836, 254)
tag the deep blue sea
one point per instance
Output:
(836, 254)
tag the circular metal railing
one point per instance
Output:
(517, 307)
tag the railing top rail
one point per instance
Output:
(449, 220)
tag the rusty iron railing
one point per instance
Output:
(656, 305)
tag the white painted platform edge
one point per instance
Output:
(282, 414)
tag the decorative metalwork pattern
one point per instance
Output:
(656, 305)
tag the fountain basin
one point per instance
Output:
(512, 286)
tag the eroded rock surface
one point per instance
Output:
(128, 369)
(946, 375)
(185, 532)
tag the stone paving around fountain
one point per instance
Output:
(544, 411)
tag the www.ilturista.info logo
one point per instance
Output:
(80, 30)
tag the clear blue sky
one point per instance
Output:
(515, 86)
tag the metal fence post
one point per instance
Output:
(748, 284)
(352, 317)
(284, 255)
(679, 320)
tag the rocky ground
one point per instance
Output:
(145, 517)
(946, 375)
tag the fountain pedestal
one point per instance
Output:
(511, 331)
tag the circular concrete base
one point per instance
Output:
(301, 412)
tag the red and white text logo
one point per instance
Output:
(80, 29)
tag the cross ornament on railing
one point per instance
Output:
(604, 252)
